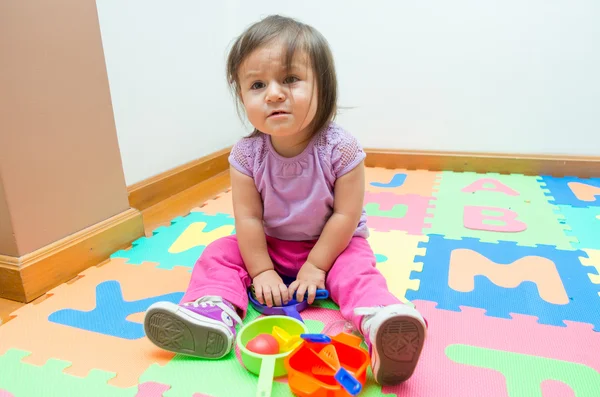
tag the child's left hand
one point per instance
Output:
(309, 278)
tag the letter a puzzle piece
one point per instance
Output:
(576, 192)
(572, 347)
(127, 358)
(525, 217)
(110, 305)
(169, 248)
(506, 280)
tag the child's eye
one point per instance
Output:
(257, 86)
(291, 80)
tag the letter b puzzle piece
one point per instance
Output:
(521, 210)
(505, 278)
(492, 219)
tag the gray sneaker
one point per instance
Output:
(204, 328)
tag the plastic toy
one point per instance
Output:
(286, 341)
(263, 344)
(292, 308)
(267, 366)
(324, 366)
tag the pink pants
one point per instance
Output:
(353, 281)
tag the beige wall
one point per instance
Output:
(60, 163)
(8, 244)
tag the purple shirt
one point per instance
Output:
(297, 192)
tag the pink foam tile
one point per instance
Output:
(414, 220)
(4, 393)
(151, 389)
(437, 375)
(552, 388)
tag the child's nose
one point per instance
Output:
(275, 93)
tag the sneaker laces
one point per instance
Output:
(216, 301)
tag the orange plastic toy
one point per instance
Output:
(312, 366)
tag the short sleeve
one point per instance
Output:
(346, 154)
(241, 157)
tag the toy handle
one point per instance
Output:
(292, 312)
(265, 378)
(348, 381)
(321, 294)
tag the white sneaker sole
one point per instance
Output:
(173, 328)
(397, 348)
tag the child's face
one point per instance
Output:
(267, 88)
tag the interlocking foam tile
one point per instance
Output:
(466, 352)
(520, 209)
(593, 260)
(221, 204)
(584, 225)
(48, 379)
(151, 389)
(188, 376)
(397, 181)
(5, 393)
(180, 244)
(576, 192)
(110, 304)
(396, 251)
(388, 211)
(505, 278)
(128, 358)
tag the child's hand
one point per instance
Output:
(269, 288)
(309, 279)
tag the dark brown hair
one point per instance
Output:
(294, 34)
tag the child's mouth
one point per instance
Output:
(278, 113)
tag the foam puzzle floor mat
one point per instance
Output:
(506, 269)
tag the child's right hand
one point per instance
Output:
(269, 288)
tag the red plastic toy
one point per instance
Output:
(314, 367)
(263, 344)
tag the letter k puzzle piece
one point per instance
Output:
(109, 344)
(109, 317)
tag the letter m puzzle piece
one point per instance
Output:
(180, 244)
(576, 192)
(505, 278)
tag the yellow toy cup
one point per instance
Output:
(267, 366)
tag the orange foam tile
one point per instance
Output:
(30, 330)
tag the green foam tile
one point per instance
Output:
(23, 379)
(543, 221)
